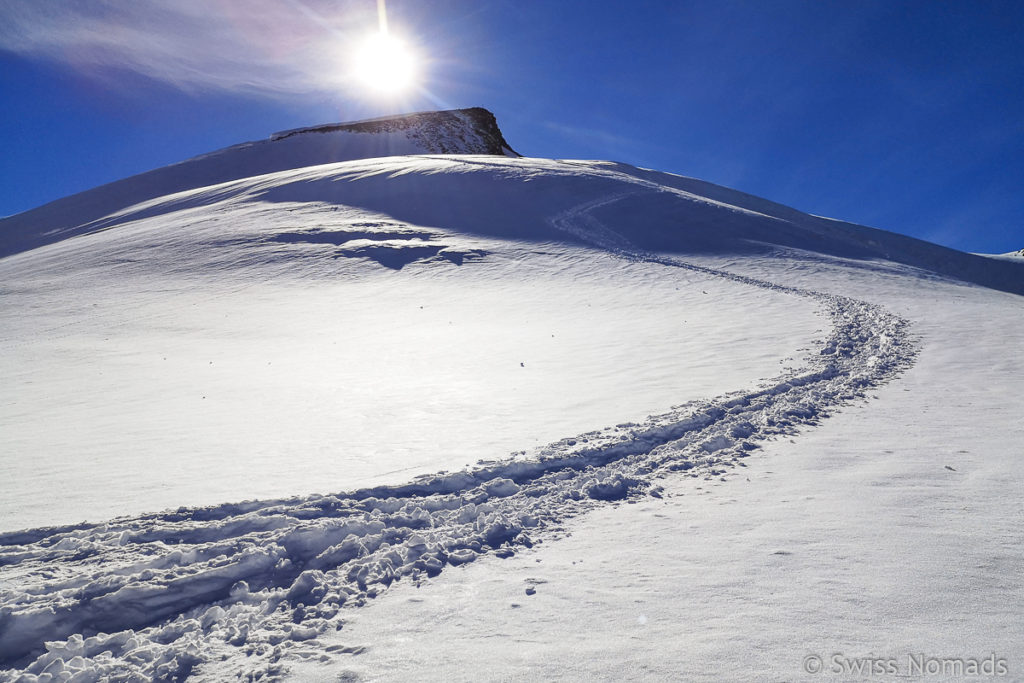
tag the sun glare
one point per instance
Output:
(385, 64)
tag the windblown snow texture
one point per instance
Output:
(156, 595)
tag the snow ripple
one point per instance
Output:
(155, 596)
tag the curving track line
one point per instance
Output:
(156, 596)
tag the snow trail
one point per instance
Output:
(156, 596)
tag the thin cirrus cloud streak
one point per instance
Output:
(267, 47)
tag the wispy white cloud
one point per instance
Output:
(277, 47)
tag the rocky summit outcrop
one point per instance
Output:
(456, 131)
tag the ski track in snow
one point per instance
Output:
(249, 585)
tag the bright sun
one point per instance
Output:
(385, 64)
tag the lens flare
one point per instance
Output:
(384, 63)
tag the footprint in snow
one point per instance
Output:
(532, 583)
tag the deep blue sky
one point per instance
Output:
(908, 116)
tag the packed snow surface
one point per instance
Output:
(464, 356)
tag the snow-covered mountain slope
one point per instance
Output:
(459, 131)
(413, 363)
(1009, 256)
(684, 215)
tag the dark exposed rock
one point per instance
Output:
(441, 132)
